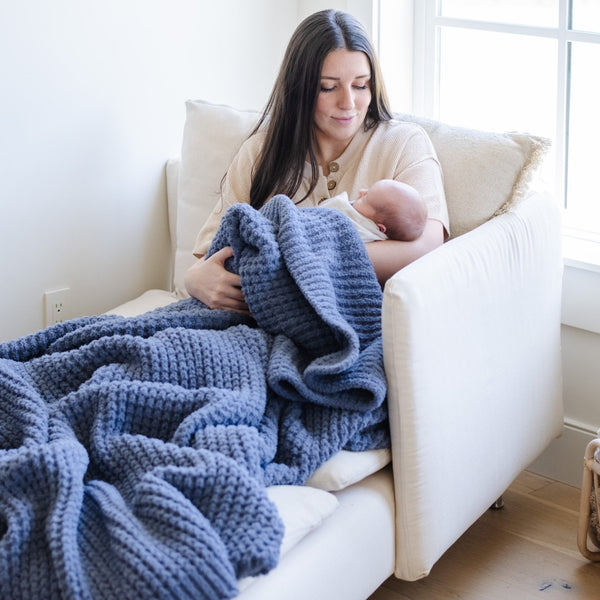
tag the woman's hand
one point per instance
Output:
(209, 281)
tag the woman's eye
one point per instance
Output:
(324, 88)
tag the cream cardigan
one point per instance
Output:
(392, 150)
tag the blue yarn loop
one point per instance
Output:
(135, 452)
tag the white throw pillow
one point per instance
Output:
(485, 173)
(345, 468)
(211, 137)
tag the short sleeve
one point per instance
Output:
(420, 168)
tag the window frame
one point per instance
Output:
(582, 247)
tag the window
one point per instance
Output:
(528, 65)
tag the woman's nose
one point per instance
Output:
(347, 98)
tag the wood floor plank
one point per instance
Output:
(526, 550)
(528, 482)
(532, 519)
(566, 496)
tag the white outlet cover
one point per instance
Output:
(56, 306)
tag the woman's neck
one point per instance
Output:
(328, 151)
(325, 159)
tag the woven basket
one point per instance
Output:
(589, 508)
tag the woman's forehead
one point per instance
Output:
(345, 64)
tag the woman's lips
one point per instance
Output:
(344, 120)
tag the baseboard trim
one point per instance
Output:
(563, 459)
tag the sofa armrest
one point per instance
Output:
(172, 168)
(471, 337)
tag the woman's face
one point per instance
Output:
(343, 99)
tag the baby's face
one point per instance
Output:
(366, 203)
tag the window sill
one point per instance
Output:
(581, 284)
(581, 253)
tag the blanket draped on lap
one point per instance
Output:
(135, 452)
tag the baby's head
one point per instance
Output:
(396, 208)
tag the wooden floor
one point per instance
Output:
(526, 550)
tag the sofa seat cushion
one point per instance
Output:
(149, 300)
(302, 509)
(348, 556)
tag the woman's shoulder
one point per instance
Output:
(254, 142)
(248, 152)
(398, 127)
(402, 134)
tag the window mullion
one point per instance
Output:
(425, 60)
(433, 110)
(562, 100)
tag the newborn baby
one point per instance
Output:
(389, 209)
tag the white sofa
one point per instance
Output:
(471, 336)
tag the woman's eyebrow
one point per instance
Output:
(338, 78)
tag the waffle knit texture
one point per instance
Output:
(135, 452)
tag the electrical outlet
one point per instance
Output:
(57, 306)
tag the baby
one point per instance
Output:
(389, 209)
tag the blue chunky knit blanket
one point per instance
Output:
(135, 452)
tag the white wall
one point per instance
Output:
(92, 106)
(361, 9)
(581, 373)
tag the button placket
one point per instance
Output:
(334, 167)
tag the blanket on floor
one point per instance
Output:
(134, 452)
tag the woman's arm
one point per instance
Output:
(389, 256)
(209, 281)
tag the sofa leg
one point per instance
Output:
(498, 504)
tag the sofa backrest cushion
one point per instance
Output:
(484, 173)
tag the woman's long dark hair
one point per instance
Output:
(288, 117)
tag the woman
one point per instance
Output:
(326, 129)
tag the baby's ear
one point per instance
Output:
(382, 227)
